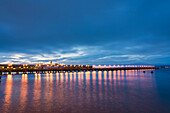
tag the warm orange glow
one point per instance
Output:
(82, 73)
(110, 75)
(93, 73)
(8, 91)
(105, 75)
(79, 76)
(57, 76)
(114, 75)
(70, 76)
(9, 76)
(37, 85)
(23, 94)
(100, 75)
(51, 77)
(74, 76)
(87, 75)
(61, 77)
(122, 74)
(47, 76)
(9, 64)
(36, 74)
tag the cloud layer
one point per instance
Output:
(85, 32)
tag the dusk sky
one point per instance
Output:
(85, 31)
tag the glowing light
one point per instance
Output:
(8, 91)
(9, 76)
(9, 64)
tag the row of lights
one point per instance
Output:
(68, 65)
(26, 66)
(123, 66)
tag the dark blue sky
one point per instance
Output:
(85, 31)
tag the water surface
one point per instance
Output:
(87, 92)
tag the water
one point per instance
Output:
(87, 92)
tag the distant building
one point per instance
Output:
(51, 63)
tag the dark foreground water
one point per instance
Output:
(87, 92)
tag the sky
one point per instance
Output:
(85, 31)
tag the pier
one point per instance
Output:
(53, 68)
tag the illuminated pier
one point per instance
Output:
(41, 68)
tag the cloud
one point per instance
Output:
(43, 57)
(130, 57)
(81, 55)
(84, 31)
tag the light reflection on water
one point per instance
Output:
(23, 92)
(8, 91)
(96, 91)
